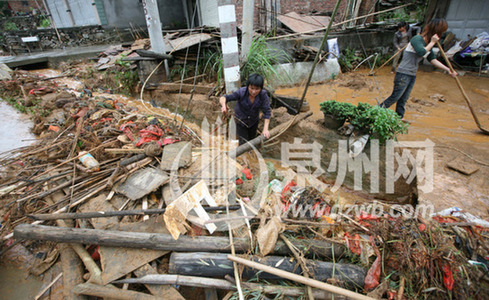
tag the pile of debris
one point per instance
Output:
(117, 194)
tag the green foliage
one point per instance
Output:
(348, 59)
(121, 62)
(10, 26)
(212, 65)
(341, 110)
(14, 102)
(262, 60)
(35, 110)
(45, 22)
(179, 71)
(381, 123)
(126, 80)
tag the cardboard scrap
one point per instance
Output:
(177, 212)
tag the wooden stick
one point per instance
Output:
(107, 214)
(300, 259)
(203, 282)
(467, 100)
(300, 279)
(396, 54)
(48, 286)
(110, 292)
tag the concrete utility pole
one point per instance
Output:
(229, 42)
(154, 28)
(248, 20)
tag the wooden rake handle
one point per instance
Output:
(462, 90)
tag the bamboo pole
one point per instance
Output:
(396, 54)
(318, 54)
(300, 279)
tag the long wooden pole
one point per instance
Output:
(301, 279)
(396, 54)
(462, 90)
(107, 214)
(160, 241)
(318, 54)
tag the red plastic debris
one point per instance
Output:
(53, 128)
(447, 276)
(127, 130)
(286, 190)
(421, 227)
(167, 141)
(239, 181)
(372, 279)
(353, 243)
(247, 173)
(444, 219)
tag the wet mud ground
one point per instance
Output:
(448, 124)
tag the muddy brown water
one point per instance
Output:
(448, 124)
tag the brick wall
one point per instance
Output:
(306, 7)
(25, 6)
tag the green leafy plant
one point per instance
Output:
(381, 123)
(262, 59)
(348, 59)
(212, 65)
(340, 110)
(10, 26)
(45, 22)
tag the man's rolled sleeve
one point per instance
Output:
(267, 111)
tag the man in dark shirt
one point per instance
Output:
(401, 38)
(250, 100)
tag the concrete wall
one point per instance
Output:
(122, 12)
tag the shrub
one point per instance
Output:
(341, 110)
(381, 123)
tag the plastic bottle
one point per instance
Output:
(89, 161)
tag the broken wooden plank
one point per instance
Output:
(159, 241)
(72, 272)
(221, 284)
(206, 264)
(301, 24)
(177, 211)
(186, 41)
(110, 257)
(184, 88)
(110, 292)
(160, 291)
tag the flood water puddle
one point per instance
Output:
(15, 128)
